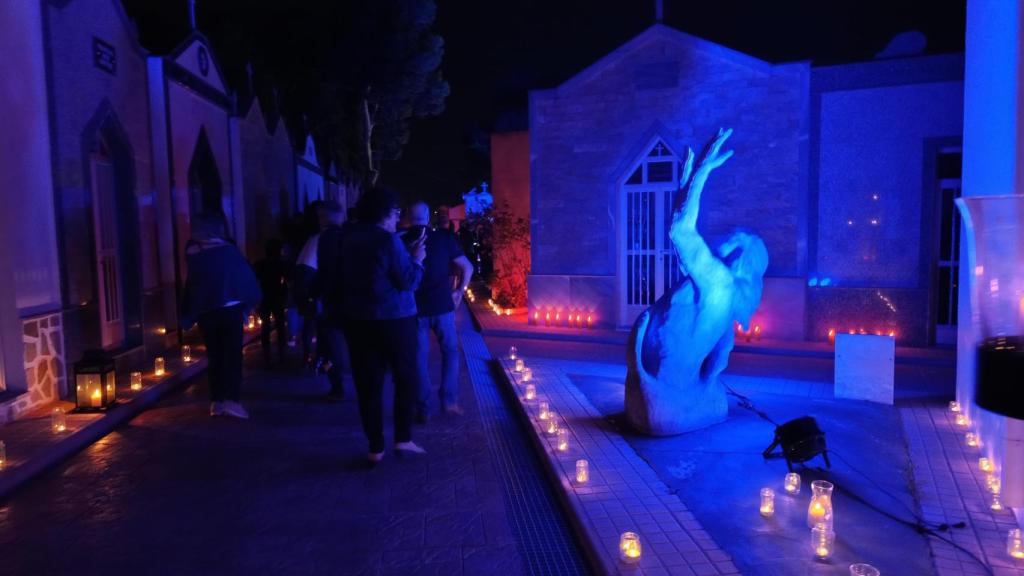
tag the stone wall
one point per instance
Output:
(44, 361)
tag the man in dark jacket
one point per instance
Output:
(379, 277)
(328, 287)
(219, 288)
(273, 272)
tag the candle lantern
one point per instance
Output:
(629, 547)
(513, 352)
(531, 392)
(3, 454)
(832, 336)
(997, 504)
(767, 502)
(985, 464)
(972, 440)
(95, 381)
(159, 366)
(58, 421)
(792, 483)
(543, 413)
(823, 540)
(136, 381)
(563, 439)
(527, 374)
(551, 425)
(819, 511)
(1015, 544)
(954, 407)
(251, 324)
(962, 421)
(519, 365)
(186, 353)
(863, 570)
(992, 483)
(582, 472)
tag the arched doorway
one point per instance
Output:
(114, 218)
(648, 264)
(204, 184)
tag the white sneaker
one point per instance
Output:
(216, 408)
(376, 457)
(235, 409)
(410, 446)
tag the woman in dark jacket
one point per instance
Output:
(220, 288)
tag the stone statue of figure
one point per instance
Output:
(680, 345)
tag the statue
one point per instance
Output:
(679, 346)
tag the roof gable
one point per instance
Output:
(662, 33)
(195, 56)
(309, 152)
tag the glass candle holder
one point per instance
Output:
(519, 365)
(251, 324)
(531, 392)
(629, 547)
(58, 421)
(136, 381)
(823, 541)
(863, 570)
(563, 439)
(962, 420)
(996, 503)
(985, 464)
(992, 484)
(1015, 544)
(186, 353)
(527, 374)
(543, 412)
(792, 483)
(767, 502)
(158, 366)
(3, 454)
(819, 511)
(513, 352)
(954, 407)
(972, 440)
(551, 425)
(582, 472)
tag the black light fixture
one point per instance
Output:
(801, 440)
(95, 382)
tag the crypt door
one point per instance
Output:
(648, 264)
(105, 238)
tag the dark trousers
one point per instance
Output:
(280, 324)
(222, 333)
(375, 347)
(333, 348)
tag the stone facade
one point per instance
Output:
(268, 179)
(44, 362)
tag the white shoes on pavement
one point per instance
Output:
(228, 408)
(410, 446)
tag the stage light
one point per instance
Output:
(801, 440)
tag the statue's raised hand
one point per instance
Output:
(713, 156)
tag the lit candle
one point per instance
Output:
(558, 317)
(997, 504)
(590, 321)
(186, 353)
(972, 440)
(962, 420)
(792, 483)
(161, 330)
(543, 413)
(547, 318)
(563, 439)
(508, 311)
(136, 381)
(819, 511)
(3, 456)
(822, 541)
(629, 547)
(992, 483)
(531, 392)
(985, 464)
(767, 502)
(96, 399)
(1015, 544)
(512, 352)
(536, 316)
(582, 472)
(58, 423)
(757, 332)
(252, 322)
(954, 407)
(579, 320)
(527, 374)
(158, 366)
(551, 426)
(519, 365)
(832, 336)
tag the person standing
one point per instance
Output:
(379, 277)
(436, 299)
(328, 287)
(273, 273)
(219, 288)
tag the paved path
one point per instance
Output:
(288, 492)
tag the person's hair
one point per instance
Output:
(376, 204)
(330, 212)
(207, 226)
(273, 248)
(415, 218)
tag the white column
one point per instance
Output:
(992, 164)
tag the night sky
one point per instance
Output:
(497, 51)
